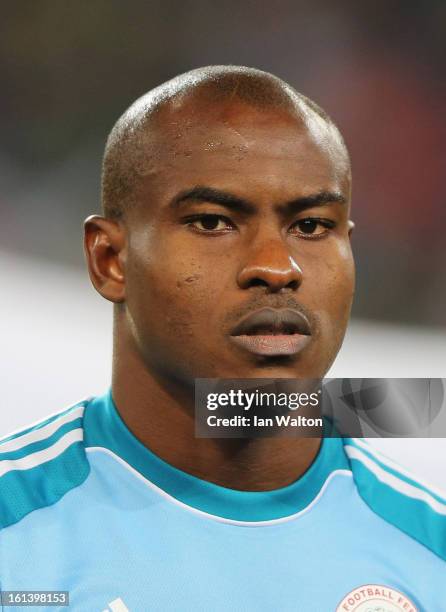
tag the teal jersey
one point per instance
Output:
(87, 508)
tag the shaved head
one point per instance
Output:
(164, 115)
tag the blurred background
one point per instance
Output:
(68, 70)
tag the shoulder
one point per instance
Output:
(397, 496)
(40, 464)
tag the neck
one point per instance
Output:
(161, 415)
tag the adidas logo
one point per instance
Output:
(117, 605)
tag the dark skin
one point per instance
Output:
(268, 227)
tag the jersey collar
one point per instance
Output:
(104, 428)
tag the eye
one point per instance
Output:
(211, 223)
(312, 227)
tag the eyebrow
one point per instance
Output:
(315, 199)
(215, 196)
(231, 201)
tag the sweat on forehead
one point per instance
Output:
(132, 142)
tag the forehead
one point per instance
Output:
(266, 153)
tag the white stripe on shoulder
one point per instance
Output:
(393, 481)
(397, 467)
(42, 456)
(35, 435)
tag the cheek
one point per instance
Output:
(333, 280)
(187, 269)
(336, 273)
(171, 292)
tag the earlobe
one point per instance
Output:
(105, 250)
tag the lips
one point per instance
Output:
(271, 332)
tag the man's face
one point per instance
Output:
(238, 256)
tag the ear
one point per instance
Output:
(351, 227)
(105, 250)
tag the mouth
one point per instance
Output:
(271, 333)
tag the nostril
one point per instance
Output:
(258, 282)
(294, 284)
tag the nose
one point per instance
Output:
(272, 266)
